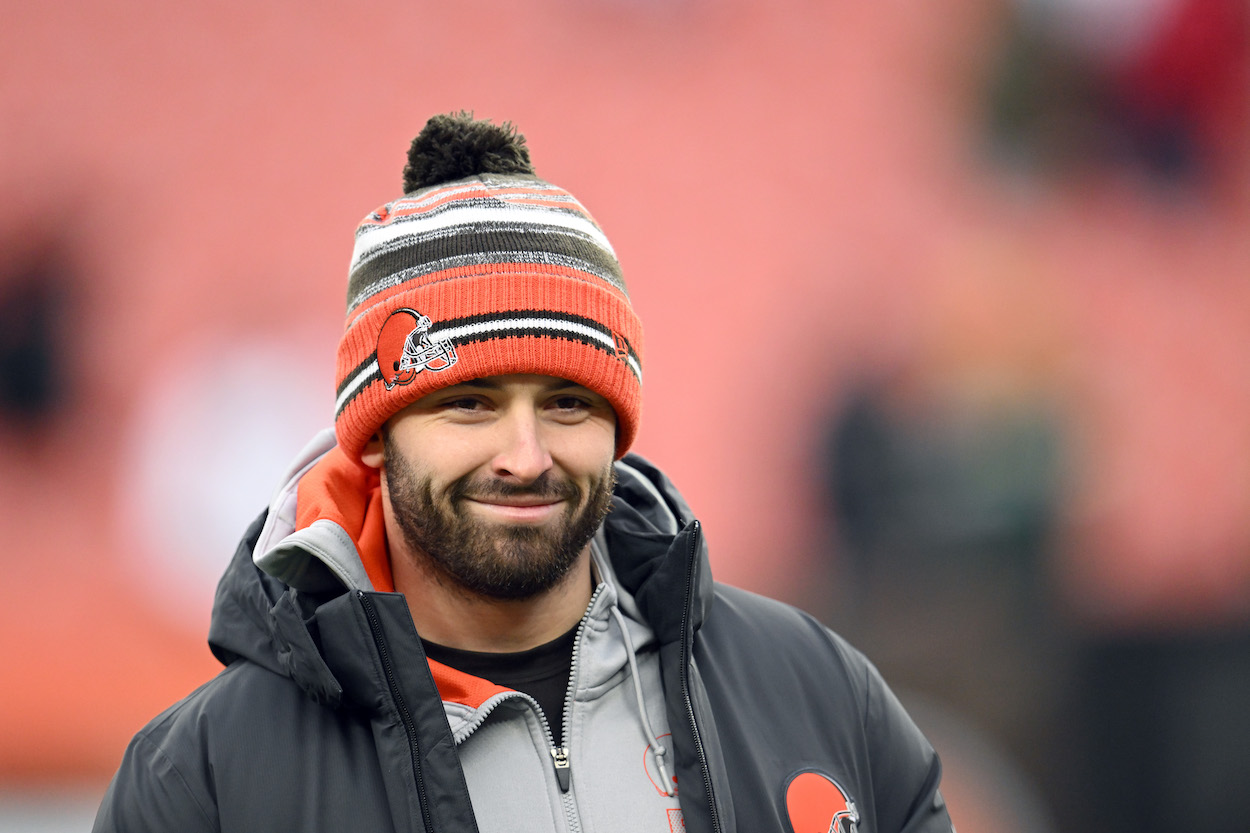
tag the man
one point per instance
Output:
(470, 609)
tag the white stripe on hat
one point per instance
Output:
(354, 385)
(375, 237)
(464, 331)
(527, 188)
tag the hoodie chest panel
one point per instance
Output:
(614, 786)
(619, 786)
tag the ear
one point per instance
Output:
(373, 455)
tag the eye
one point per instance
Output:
(459, 401)
(464, 403)
(460, 404)
(568, 408)
(576, 405)
(570, 403)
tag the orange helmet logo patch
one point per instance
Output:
(816, 804)
(405, 348)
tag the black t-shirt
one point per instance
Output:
(542, 672)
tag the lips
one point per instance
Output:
(535, 500)
(490, 491)
(532, 503)
(514, 511)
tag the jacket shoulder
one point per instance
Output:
(169, 777)
(163, 781)
(767, 632)
(241, 696)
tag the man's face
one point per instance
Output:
(498, 484)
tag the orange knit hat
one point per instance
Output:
(481, 269)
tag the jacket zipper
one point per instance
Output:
(560, 762)
(560, 754)
(687, 645)
(564, 773)
(410, 725)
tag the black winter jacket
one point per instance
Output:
(326, 716)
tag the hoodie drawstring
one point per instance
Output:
(657, 749)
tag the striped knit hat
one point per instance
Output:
(481, 269)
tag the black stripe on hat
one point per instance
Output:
(370, 361)
(504, 325)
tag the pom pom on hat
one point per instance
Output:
(455, 146)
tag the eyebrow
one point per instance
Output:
(489, 384)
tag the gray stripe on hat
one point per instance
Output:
(368, 282)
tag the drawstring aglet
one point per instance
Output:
(660, 752)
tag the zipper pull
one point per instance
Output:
(564, 774)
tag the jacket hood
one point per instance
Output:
(657, 549)
(322, 537)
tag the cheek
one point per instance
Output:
(594, 464)
(446, 457)
(588, 461)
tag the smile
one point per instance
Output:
(518, 510)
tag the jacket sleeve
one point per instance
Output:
(150, 793)
(905, 769)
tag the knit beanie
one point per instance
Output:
(481, 269)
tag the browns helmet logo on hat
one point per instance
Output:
(405, 348)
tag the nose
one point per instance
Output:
(523, 456)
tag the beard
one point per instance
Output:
(494, 560)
